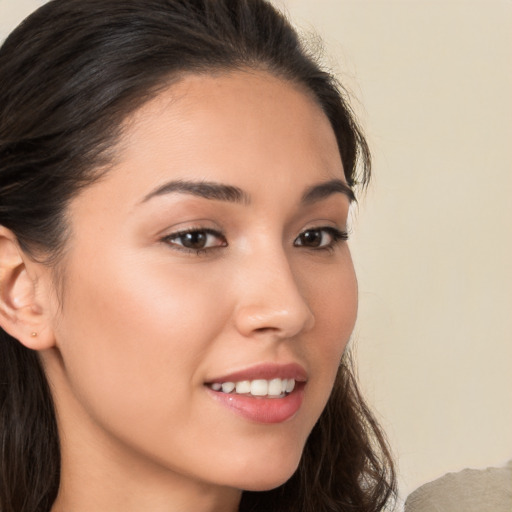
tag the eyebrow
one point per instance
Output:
(324, 190)
(230, 193)
(205, 189)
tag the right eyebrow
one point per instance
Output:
(204, 189)
(324, 190)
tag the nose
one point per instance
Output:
(271, 300)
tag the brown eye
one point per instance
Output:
(311, 238)
(196, 240)
(320, 238)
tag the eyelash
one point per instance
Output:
(170, 240)
(337, 236)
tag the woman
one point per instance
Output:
(177, 291)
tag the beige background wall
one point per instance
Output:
(433, 236)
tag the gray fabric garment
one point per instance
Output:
(470, 490)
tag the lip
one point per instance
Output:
(258, 409)
(265, 371)
(261, 409)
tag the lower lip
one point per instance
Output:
(262, 409)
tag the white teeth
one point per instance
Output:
(275, 387)
(257, 387)
(243, 387)
(227, 387)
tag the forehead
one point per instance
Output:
(240, 120)
(247, 130)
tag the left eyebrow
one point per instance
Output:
(204, 189)
(323, 190)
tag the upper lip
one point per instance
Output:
(266, 371)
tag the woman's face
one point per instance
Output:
(212, 253)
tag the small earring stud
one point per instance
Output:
(33, 334)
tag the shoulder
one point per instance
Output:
(471, 490)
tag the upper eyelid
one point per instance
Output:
(175, 232)
(327, 227)
(184, 231)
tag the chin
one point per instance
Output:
(266, 484)
(274, 474)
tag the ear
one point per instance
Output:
(23, 308)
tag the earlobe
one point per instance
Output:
(21, 314)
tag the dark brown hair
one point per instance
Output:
(69, 76)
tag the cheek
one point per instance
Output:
(334, 299)
(131, 336)
(135, 336)
(333, 296)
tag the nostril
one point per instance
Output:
(264, 330)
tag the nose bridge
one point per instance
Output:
(271, 298)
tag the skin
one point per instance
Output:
(141, 323)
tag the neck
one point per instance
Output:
(79, 499)
(127, 486)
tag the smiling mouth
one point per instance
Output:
(273, 388)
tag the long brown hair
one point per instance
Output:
(69, 75)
